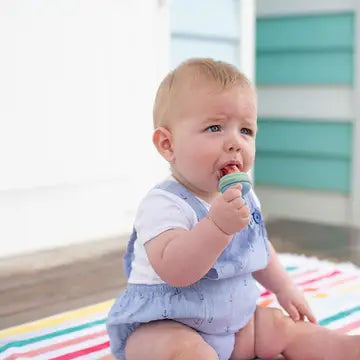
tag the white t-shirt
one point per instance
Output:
(159, 211)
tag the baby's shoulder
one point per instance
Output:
(160, 210)
(160, 201)
(161, 197)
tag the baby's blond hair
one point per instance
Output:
(219, 73)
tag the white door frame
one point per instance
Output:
(355, 184)
(247, 23)
(247, 43)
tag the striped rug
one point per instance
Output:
(333, 291)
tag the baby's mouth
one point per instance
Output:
(228, 169)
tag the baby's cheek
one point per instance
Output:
(248, 161)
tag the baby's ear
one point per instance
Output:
(162, 139)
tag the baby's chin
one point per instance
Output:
(210, 191)
(203, 190)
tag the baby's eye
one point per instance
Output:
(246, 131)
(214, 128)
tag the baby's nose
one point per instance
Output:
(234, 146)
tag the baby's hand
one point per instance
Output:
(229, 211)
(295, 304)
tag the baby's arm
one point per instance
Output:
(275, 278)
(182, 257)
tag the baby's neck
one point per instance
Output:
(206, 196)
(209, 198)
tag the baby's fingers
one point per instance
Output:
(238, 203)
(306, 311)
(232, 193)
(293, 312)
(244, 212)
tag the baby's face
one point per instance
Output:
(211, 129)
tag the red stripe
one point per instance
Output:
(57, 346)
(82, 352)
(265, 293)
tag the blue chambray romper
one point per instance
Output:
(217, 306)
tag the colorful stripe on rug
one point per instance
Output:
(332, 289)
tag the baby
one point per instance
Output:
(195, 254)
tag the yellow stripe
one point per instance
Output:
(349, 289)
(320, 295)
(57, 319)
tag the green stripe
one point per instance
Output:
(304, 154)
(315, 49)
(308, 137)
(302, 172)
(316, 32)
(305, 68)
(20, 343)
(339, 316)
(291, 268)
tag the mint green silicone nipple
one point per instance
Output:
(235, 178)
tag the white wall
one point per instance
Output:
(77, 80)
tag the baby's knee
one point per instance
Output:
(272, 328)
(278, 320)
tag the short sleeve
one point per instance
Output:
(160, 211)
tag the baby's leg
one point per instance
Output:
(244, 348)
(276, 333)
(167, 340)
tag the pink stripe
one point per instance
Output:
(310, 281)
(82, 352)
(307, 272)
(334, 283)
(339, 282)
(347, 328)
(45, 349)
(295, 276)
(326, 276)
